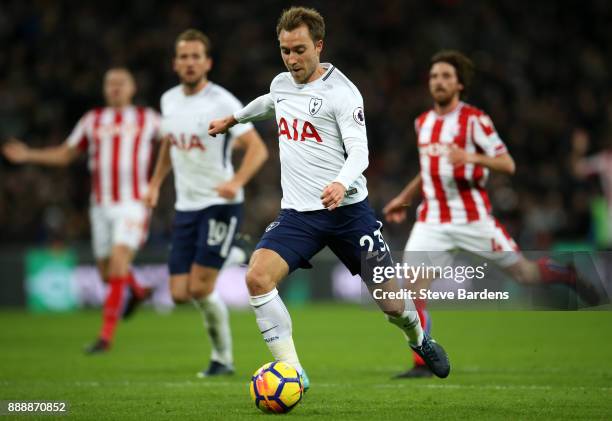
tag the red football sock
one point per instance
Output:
(112, 306)
(424, 317)
(552, 272)
(136, 288)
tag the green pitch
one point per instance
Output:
(537, 365)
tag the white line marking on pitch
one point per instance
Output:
(493, 387)
(390, 385)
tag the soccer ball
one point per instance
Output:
(276, 387)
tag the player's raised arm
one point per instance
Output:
(256, 153)
(162, 168)
(395, 210)
(261, 108)
(18, 152)
(56, 156)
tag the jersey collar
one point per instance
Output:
(203, 92)
(459, 105)
(329, 69)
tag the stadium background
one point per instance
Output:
(542, 72)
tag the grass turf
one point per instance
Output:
(506, 365)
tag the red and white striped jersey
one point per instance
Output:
(455, 194)
(120, 147)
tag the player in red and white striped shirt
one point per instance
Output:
(458, 147)
(119, 141)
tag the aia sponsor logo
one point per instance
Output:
(186, 142)
(298, 130)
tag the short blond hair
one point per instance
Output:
(192, 34)
(297, 16)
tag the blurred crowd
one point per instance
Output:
(542, 75)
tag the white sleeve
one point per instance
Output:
(261, 108)
(78, 137)
(356, 162)
(486, 137)
(351, 122)
(232, 105)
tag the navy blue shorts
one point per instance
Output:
(204, 237)
(352, 232)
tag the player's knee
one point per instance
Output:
(118, 265)
(199, 289)
(178, 290)
(258, 281)
(179, 296)
(523, 272)
(202, 282)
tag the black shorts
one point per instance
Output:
(352, 232)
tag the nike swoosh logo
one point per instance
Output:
(280, 99)
(267, 330)
(381, 257)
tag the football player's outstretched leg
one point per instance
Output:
(403, 314)
(266, 269)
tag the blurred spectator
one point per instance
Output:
(600, 165)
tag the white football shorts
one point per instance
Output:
(485, 238)
(121, 224)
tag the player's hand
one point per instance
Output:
(221, 125)
(332, 195)
(458, 156)
(16, 151)
(395, 210)
(151, 197)
(229, 189)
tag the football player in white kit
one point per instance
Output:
(209, 194)
(119, 141)
(323, 153)
(458, 147)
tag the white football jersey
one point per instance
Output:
(314, 122)
(200, 162)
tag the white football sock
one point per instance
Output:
(274, 324)
(216, 322)
(410, 324)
